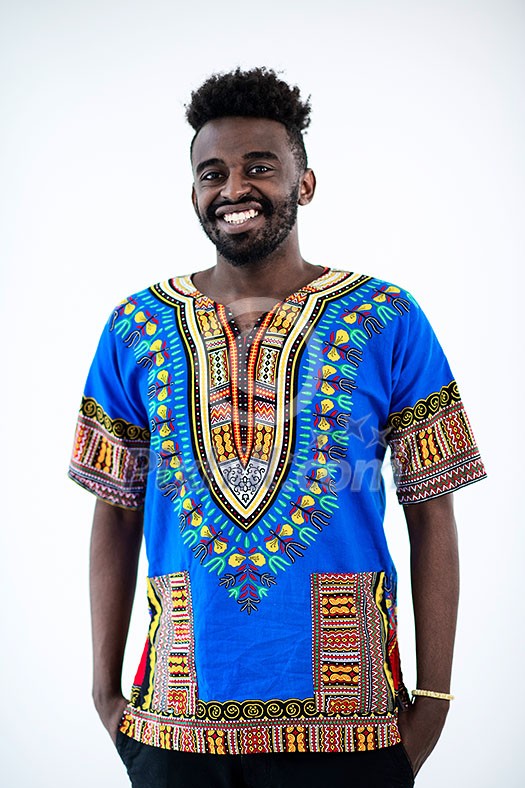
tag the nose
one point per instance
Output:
(235, 186)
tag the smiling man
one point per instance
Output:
(238, 418)
(263, 218)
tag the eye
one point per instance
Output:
(211, 175)
(259, 169)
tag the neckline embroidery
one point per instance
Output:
(242, 414)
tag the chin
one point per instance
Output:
(252, 255)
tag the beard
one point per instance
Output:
(253, 247)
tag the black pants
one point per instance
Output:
(151, 767)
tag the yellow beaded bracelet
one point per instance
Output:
(432, 694)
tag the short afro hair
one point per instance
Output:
(257, 93)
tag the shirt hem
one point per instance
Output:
(447, 482)
(248, 738)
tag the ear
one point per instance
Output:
(307, 187)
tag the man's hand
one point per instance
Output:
(420, 727)
(110, 711)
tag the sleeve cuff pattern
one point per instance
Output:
(110, 456)
(433, 448)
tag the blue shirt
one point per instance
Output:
(257, 460)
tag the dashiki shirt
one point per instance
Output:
(257, 461)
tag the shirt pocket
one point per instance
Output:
(166, 680)
(356, 670)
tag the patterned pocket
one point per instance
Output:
(166, 681)
(355, 658)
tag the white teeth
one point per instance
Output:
(240, 216)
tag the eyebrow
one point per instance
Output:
(207, 163)
(260, 154)
(254, 154)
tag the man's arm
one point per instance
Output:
(435, 592)
(115, 548)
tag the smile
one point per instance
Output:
(240, 217)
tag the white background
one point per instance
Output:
(417, 142)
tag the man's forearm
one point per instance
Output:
(435, 589)
(435, 593)
(115, 548)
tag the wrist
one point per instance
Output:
(433, 694)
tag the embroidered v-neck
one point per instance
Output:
(243, 413)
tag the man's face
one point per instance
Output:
(247, 186)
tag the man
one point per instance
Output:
(239, 417)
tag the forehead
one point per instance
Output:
(231, 138)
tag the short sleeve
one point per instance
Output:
(433, 450)
(111, 445)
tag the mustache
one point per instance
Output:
(266, 206)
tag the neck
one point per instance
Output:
(252, 290)
(274, 277)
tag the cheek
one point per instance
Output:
(200, 198)
(199, 206)
(194, 200)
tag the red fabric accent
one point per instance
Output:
(141, 671)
